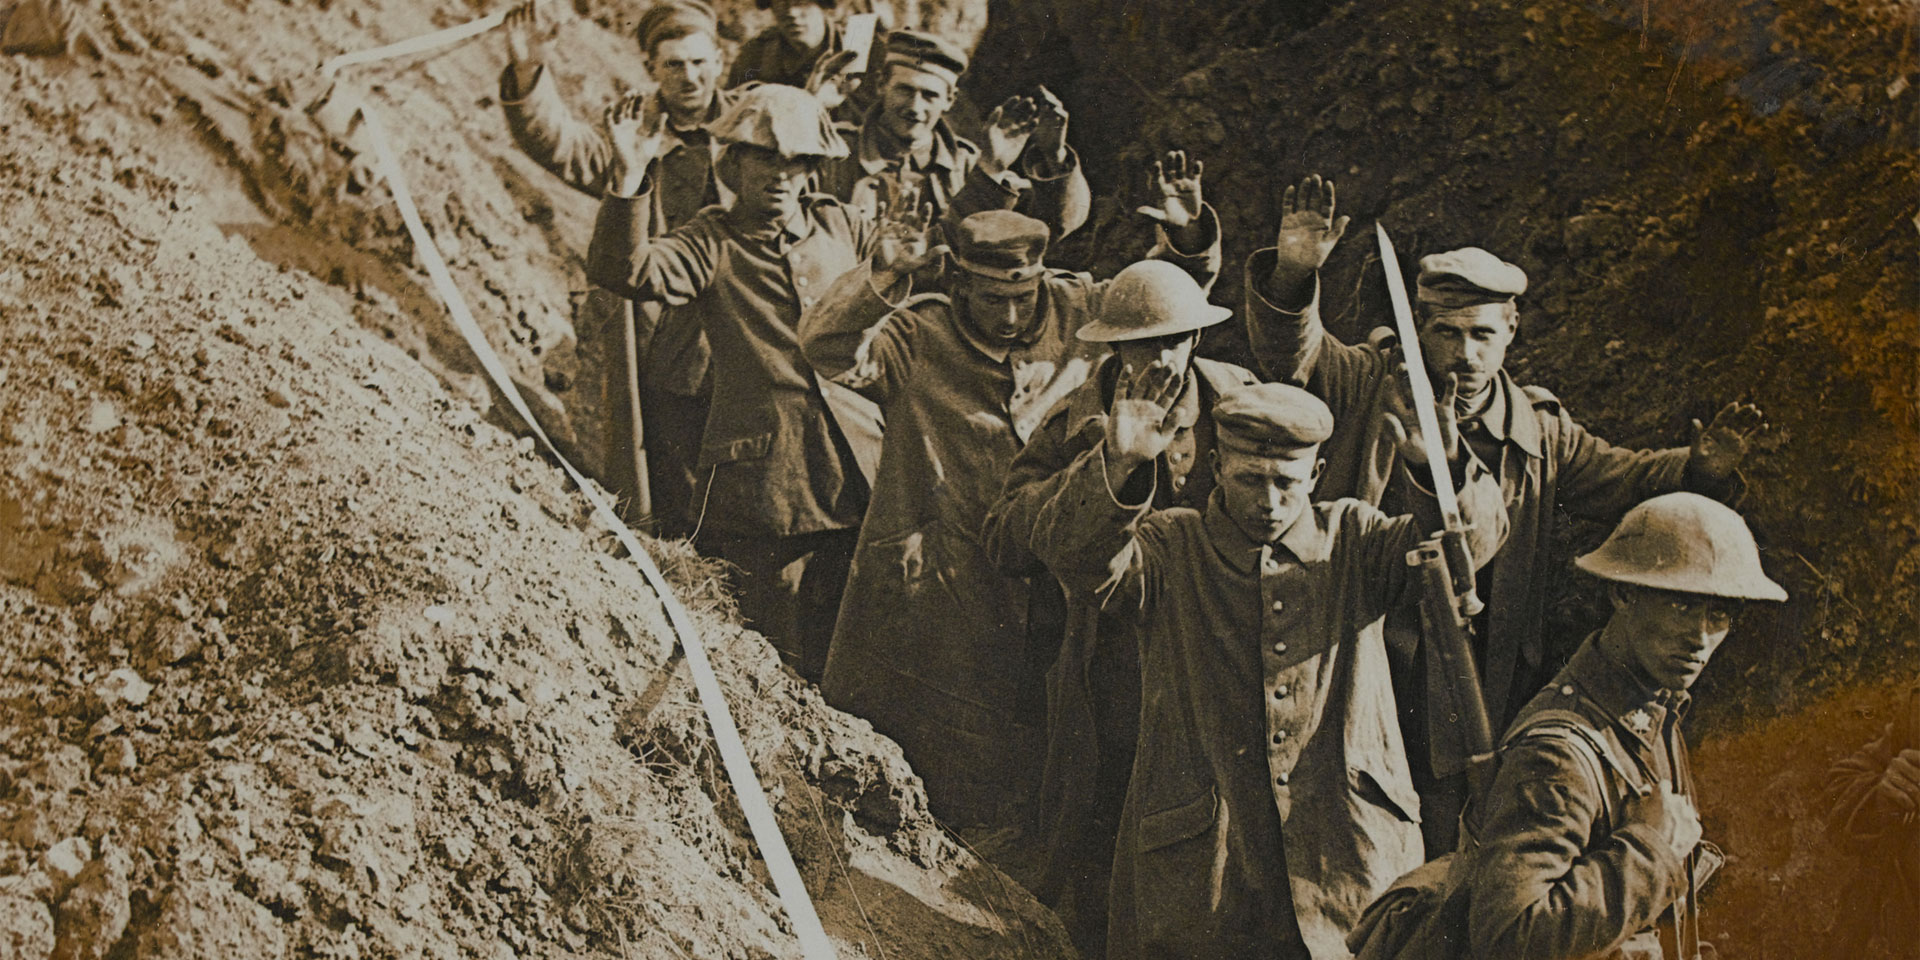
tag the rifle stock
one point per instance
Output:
(1462, 735)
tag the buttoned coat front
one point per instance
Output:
(1270, 798)
(785, 452)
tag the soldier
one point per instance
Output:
(1093, 685)
(786, 458)
(905, 150)
(1589, 840)
(664, 364)
(933, 642)
(1269, 800)
(1875, 812)
(1546, 461)
(803, 36)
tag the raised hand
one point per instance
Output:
(1175, 184)
(1403, 422)
(1308, 230)
(1720, 447)
(827, 81)
(904, 242)
(1901, 783)
(1673, 814)
(637, 130)
(1050, 133)
(522, 24)
(1141, 423)
(1008, 129)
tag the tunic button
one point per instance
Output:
(1279, 735)
(1272, 564)
(806, 301)
(1280, 691)
(800, 281)
(1176, 457)
(1278, 606)
(1566, 690)
(1280, 647)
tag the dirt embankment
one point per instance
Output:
(300, 656)
(1716, 204)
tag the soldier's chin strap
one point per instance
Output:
(814, 944)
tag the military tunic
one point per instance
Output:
(933, 643)
(1545, 461)
(665, 362)
(786, 457)
(1559, 871)
(951, 179)
(1270, 799)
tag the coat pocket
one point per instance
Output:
(1396, 796)
(1183, 822)
(737, 449)
(1180, 871)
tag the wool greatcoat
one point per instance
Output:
(933, 642)
(785, 452)
(1093, 683)
(1545, 462)
(1270, 800)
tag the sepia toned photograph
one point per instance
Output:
(960, 479)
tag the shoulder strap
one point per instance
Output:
(1590, 746)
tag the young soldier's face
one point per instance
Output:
(687, 70)
(767, 184)
(1670, 635)
(802, 22)
(1000, 311)
(1264, 495)
(1470, 343)
(913, 102)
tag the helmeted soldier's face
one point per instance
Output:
(688, 72)
(764, 183)
(1470, 343)
(1669, 636)
(802, 23)
(1003, 313)
(913, 102)
(1264, 495)
(1175, 350)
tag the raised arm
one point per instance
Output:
(1027, 165)
(1084, 526)
(1283, 290)
(858, 335)
(1188, 231)
(547, 131)
(627, 256)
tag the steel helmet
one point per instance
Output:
(787, 120)
(1152, 298)
(1687, 543)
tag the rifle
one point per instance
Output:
(1450, 600)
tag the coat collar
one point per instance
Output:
(1627, 701)
(1509, 415)
(877, 149)
(1305, 539)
